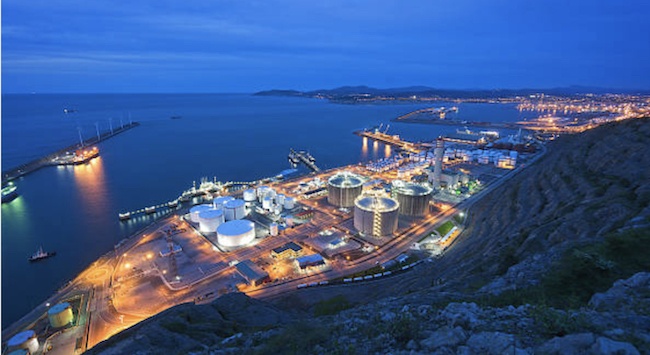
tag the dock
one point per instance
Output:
(46, 160)
(393, 140)
(441, 112)
(303, 157)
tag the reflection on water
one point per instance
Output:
(16, 211)
(387, 150)
(90, 181)
(364, 149)
(375, 148)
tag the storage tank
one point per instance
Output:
(375, 215)
(221, 200)
(60, 315)
(273, 229)
(413, 198)
(236, 233)
(343, 188)
(24, 340)
(262, 191)
(289, 221)
(249, 195)
(277, 209)
(279, 199)
(234, 209)
(289, 203)
(267, 203)
(209, 220)
(194, 211)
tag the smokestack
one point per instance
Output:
(439, 152)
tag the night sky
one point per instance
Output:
(245, 46)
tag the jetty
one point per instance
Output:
(46, 160)
(303, 157)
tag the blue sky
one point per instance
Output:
(245, 46)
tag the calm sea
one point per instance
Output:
(73, 210)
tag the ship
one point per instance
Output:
(9, 193)
(124, 216)
(40, 254)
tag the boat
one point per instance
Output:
(40, 254)
(124, 216)
(149, 210)
(9, 193)
(176, 117)
(172, 204)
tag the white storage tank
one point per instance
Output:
(194, 211)
(236, 233)
(273, 229)
(221, 200)
(277, 209)
(235, 209)
(60, 315)
(289, 203)
(249, 195)
(279, 199)
(262, 191)
(24, 340)
(375, 215)
(267, 203)
(209, 220)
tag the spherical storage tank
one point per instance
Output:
(220, 201)
(375, 215)
(343, 188)
(413, 198)
(236, 233)
(24, 340)
(234, 209)
(249, 195)
(60, 315)
(209, 220)
(194, 211)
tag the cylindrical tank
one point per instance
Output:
(24, 340)
(289, 203)
(277, 209)
(375, 215)
(236, 233)
(194, 211)
(60, 315)
(273, 229)
(209, 220)
(221, 200)
(279, 199)
(262, 191)
(289, 221)
(234, 209)
(267, 202)
(343, 188)
(249, 195)
(413, 198)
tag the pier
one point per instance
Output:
(303, 157)
(441, 112)
(392, 140)
(46, 160)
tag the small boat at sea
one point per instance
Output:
(40, 254)
(124, 216)
(9, 193)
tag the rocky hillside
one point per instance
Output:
(534, 272)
